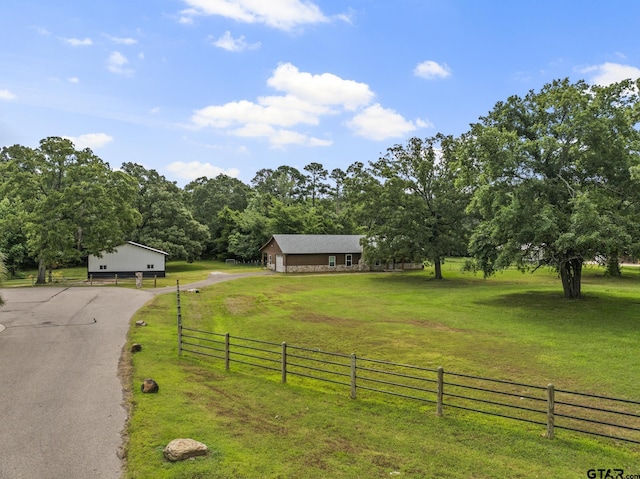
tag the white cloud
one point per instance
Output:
(431, 70)
(7, 95)
(76, 42)
(323, 89)
(280, 14)
(194, 169)
(90, 140)
(122, 40)
(42, 31)
(609, 73)
(280, 111)
(73, 80)
(307, 99)
(231, 44)
(117, 63)
(278, 137)
(155, 110)
(378, 123)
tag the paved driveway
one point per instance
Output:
(61, 408)
(61, 411)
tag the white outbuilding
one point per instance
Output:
(126, 260)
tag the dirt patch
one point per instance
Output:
(125, 374)
(239, 305)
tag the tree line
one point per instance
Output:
(550, 179)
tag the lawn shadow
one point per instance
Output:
(596, 311)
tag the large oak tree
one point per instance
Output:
(416, 209)
(552, 178)
(73, 203)
(167, 223)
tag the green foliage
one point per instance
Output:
(552, 179)
(417, 210)
(167, 224)
(13, 241)
(213, 203)
(71, 203)
(3, 274)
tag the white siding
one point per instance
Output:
(127, 258)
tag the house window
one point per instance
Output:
(270, 260)
(332, 261)
(103, 266)
(149, 266)
(348, 260)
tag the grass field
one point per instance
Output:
(515, 327)
(176, 270)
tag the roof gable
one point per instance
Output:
(147, 248)
(318, 244)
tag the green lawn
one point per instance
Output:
(176, 270)
(514, 326)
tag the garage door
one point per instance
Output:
(280, 263)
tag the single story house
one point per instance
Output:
(312, 253)
(126, 260)
(290, 253)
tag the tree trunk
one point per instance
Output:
(438, 267)
(571, 274)
(42, 272)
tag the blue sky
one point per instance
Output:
(201, 87)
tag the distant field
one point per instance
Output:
(514, 326)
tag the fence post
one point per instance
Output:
(284, 362)
(179, 317)
(116, 279)
(90, 280)
(440, 391)
(550, 410)
(227, 354)
(155, 281)
(353, 376)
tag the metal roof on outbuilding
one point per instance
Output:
(318, 244)
(147, 247)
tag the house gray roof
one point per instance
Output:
(319, 244)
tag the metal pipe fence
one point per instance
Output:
(545, 406)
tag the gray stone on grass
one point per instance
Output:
(181, 449)
(150, 386)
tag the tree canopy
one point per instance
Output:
(548, 179)
(71, 202)
(167, 224)
(552, 179)
(415, 208)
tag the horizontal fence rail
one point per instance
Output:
(544, 406)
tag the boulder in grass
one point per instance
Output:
(136, 348)
(181, 449)
(140, 323)
(150, 386)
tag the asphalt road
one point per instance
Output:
(61, 413)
